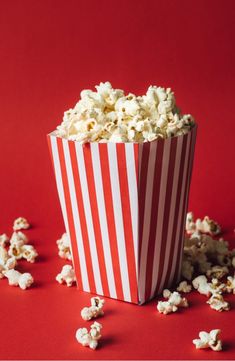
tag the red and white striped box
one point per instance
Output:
(124, 208)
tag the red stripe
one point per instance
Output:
(183, 219)
(127, 221)
(154, 216)
(167, 207)
(191, 156)
(72, 232)
(82, 216)
(176, 215)
(136, 155)
(50, 151)
(95, 217)
(104, 163)
(142, 192)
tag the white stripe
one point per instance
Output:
(182, 192)
(191, 153)
(117, 207)
(170, 235)
(76, 218)
(59, 184)
(103, 217)
(88, 215)
(147, 219)
(161, 206)
(133, 195)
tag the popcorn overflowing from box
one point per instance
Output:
(123, 166)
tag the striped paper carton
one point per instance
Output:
(124, 208)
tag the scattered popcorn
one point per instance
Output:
(18, 239)
(3, 240)
(26, 251)
(206, 225)
(89, 338)
(217, 271)
(108, 115)
(3, 255)
(15, 278)
(217, 302)
(95, 310)
(174, 302)
(230, 285)
(209, 340)
(201, 284)
(64, 247)
(29, 253)
(20, 223)
(67, 276)
(184, 287)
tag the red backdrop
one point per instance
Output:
(50, 51)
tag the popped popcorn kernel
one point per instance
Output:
(89, 339)
(217, 303)
(4, 239)
(20, 223)
(15, 278)
(206, 225)
(95, 310)
(230, 285)
(209, 340)
(184, 287)
(67, 276)
(64, 247)
(172, 304)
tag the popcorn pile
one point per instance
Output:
(14, 249)
(90, 338)
(108, 115)
(67, 274)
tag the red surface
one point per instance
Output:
(50, 51)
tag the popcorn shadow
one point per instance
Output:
(227, 346)
(106, 341)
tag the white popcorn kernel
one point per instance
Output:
(3, 255)
(95, 310)
(13, 277)
(190, 225)
(230, 285)
(64, 247)
(29, 253)
(217, 271)
(172, 304)
(217, 303)
(184, 287)
(201, 284)
(25, 281)
(15, 251)
(66, 276)
(4, 239)
(10, 263)
(91, 338)
(208, 340)
(20, 223)
(18, 238)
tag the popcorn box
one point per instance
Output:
(124, 208)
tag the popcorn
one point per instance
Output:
(217, 272)
(64, 247)
(217, 302)
(206, 225)
(108, 115)
(27, 252)
(3, 255)
(202, 286)
(208, 340)
(3, 240)
(67, 276)
(19, 239)
(184, 287)
(230, 286)
(20, 223)
(95, 310)
(16, 278)
(174, 302)
(89, 338)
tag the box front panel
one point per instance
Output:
(99, 200)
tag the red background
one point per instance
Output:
(50, 51)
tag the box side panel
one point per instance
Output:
(163, 195)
